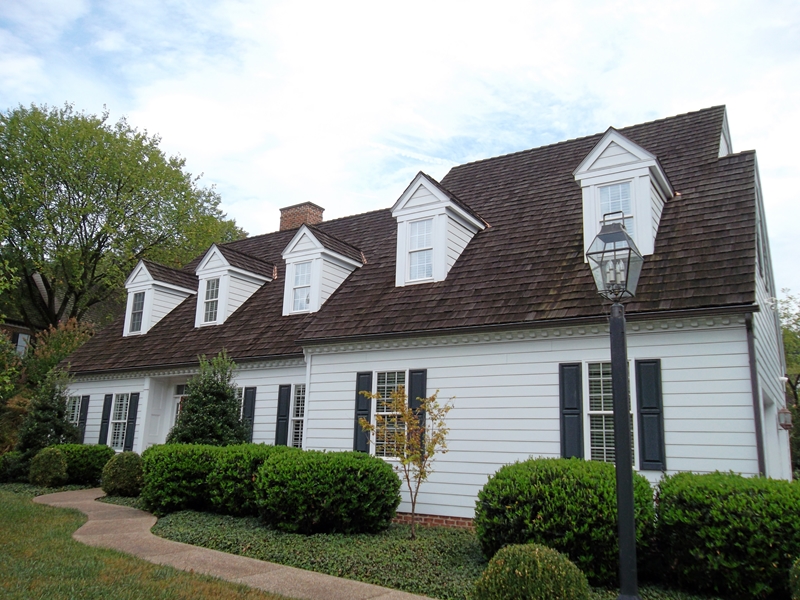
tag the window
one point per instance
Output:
(240, 398)
(617, 198)
(74, 409)
(298, 414)
(388, 383)
(119, 421)
(420, 245)
(137, 310)
(212, 300)
(301, 292)
(180, 396)
(601, 414)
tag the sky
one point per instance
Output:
(342, 103)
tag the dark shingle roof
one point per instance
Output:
(337, 245)
(183, 279)
(240, 260)
(528, 267)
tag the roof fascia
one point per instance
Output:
(207, 257)
(319, 250)
(297, 237)
(443, 201)
(140, 265)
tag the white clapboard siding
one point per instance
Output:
(421, 197)
(96, 390)
(658, 206)
(332, 277)
(164, 301)
(303, 244)
(613, 156)
(239, 290)
(458, 237)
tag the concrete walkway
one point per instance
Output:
(128, 530)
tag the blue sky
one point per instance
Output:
(341, 103)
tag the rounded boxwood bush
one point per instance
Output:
(122, 475)
(729, 535)
(48, 468)
(532, 572)
(317, 492)
(794, 580)
(566, 504)
(231, 482)
(85, 462)
(174, 477)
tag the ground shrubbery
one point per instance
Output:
(13, 469)
(48, 468)
(567, 504)
(231, 482)
(122, 475)
(728, 534)
(533, 572)
(85, 462)
(175, 477)
(319, 492)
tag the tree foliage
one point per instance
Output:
(413, 436)
(53, 345)
(789, 309)
(84, 200)
(211, 413)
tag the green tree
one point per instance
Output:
(46, 422)
(84, 200)
(211, 413)
(789, 310)
(53, 345)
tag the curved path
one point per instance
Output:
(128, 530)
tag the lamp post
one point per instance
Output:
(616, 264)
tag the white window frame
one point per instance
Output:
(207, 301)
(588, 414)
(304, 285)
(74, 410)
(119, 425)
(140, 312)
(428, 249)
(629, 218)
(297, 417)
(178, 397)
(385, 392)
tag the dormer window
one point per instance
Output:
(617, 198)
(137, 312)
(212, 301)
(301, 293)
(420, 243)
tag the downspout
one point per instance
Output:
(751, 351)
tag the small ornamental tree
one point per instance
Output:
(210, 413)
(413, 436)
(53, 345)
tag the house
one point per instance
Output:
(478, 286)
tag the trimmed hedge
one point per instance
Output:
(794, 580)
(231, 482)
(175, 477)
(728, 534)
(122, 475)
(567, 504)
(48, 468)
(85, 462)
(318, 492)
(533, 572)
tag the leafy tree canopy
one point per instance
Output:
(789, 308)
(83, 201)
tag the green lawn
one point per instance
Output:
(41, 560)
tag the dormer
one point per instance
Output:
(433, 228)
(153, 291)
(316, 265)
(228, 278)
(619, 175)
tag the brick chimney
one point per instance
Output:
(305, 213)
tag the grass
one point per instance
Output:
(41, 560)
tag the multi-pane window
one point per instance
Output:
(297, 415)
(119, 420)
(301, 292)
(212, 301)
(388, 383)
(601, 413)
(420, 245)
(137, 310)
(74, 409)
(240, 398)
(617, 198)
(180, 396)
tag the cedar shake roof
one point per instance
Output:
(336, 245)
(527, 267)
(182, 279)
(253, 264)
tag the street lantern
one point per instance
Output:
(615, 260)
(616, 264)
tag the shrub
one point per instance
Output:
(728, 534)
(174, 477)
(85, 462)
(53, 345)
(122, 475)
(566, 504)
(12, 468)
(794, 580)
(231, 482)
(48, 468)
(317, 492)
(533, 572)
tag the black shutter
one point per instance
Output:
(130, 428)
(249, 410)
(282, 424)
(417, 388)
(363, 404)
(103, 439)
(82, 416)
(571, 404)
(652, 455)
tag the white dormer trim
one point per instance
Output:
(328, 270)
(236, 285)
(160, 297)
(725, 145)
(452, 229)
(617, 160)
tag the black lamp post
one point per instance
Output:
(616, 264)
